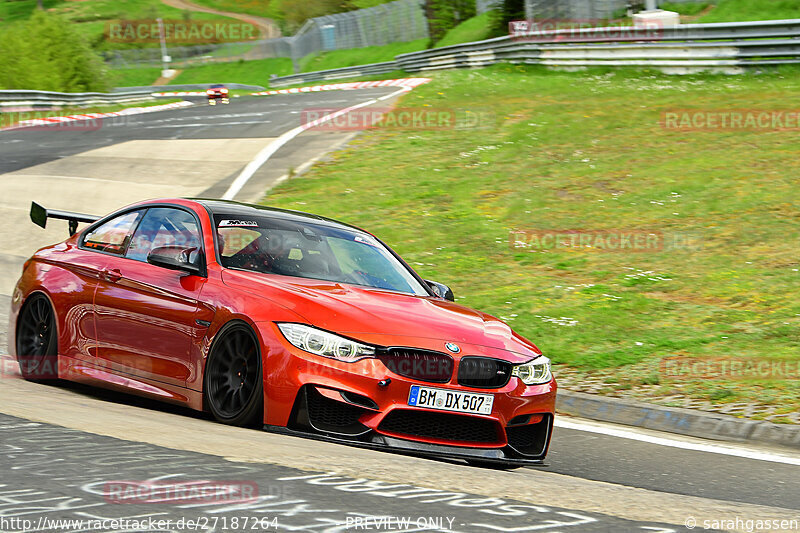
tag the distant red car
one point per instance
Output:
(216, 93)
(279, 319)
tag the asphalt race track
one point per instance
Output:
(61, 443)
(70, 475)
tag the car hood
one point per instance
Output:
(368, 314)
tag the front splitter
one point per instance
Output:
(375, 441)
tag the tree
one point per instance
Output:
(443, 15)
(47, 53)
(508, 11)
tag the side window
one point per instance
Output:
(233, 239)
(113, 236)
(165, 226)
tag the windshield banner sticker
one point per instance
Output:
(238, 224)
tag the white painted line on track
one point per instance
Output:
(720, 449)
(273, 147)
(206, 124)
(387, 96)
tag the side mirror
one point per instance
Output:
(441, 290)
(174, 258)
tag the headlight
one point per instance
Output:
(534, 372)
(326, 344)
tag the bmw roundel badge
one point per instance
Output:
(453, 347)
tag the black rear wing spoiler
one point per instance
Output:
(39, 216)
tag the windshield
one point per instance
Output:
(289, 248)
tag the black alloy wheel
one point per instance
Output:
(233, 377)
(37, 340)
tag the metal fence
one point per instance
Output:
(573, 9)
(372, 69)
(564, 9)
(578, 9)
(482, 6)
(186, 56)
(398, 21)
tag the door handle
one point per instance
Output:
(112, 275)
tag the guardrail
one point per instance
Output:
(54, 99)
(185, 87)
(371, 69)
(120, 95)
(724, 47)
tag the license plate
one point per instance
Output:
(450, 400)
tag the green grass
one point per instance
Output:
(256, 72)
(740, 10)
(259, 8)
(734, 10)
(476, 28)
(586, 151)
(358, 56)
(91, 17)
(12, 11)
(134, 77)
(684, 8)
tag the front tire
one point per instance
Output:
(37, 340)
(234, 382)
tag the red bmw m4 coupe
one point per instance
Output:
(217, 92)
(283, 320)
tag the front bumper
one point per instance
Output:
(341, 416)
(366, 404)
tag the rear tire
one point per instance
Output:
(37, 340)
(234, 382)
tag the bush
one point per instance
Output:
(508, 11)
(444, 15)
(477, 28)
(46, 53)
